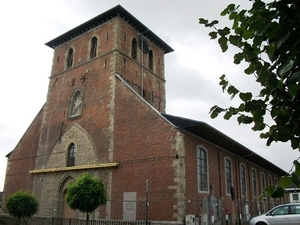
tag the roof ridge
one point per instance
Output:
(103, 18)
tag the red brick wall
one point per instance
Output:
(142, 142)
(117, 35)
(153, 81)
(143, 147)
(81, 47)
(96, 88)
(96, 116)
(22, 159)
(216, 169)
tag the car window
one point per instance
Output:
(295, 209)
(283, 210)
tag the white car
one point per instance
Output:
(286, 214)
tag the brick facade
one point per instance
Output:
(22, 159)
(120, 133)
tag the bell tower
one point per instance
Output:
(81, 99)
(118, 44)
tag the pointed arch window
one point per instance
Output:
(150, 60)
(228, 175)
(71, 155)
(93, 47)
(76, 104)
(134, 49)
(69, 61)
(202, 170)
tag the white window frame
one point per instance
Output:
(199, 148)
(228, 191)
(243, 184)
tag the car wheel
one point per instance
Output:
(261, 223)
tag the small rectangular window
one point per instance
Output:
(295, 197)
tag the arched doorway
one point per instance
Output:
(67, 212)
(64, 211)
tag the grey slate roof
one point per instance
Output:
(209, 133)
(117, 11)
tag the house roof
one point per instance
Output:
(117, 11)
(209, 133)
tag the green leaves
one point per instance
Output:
(244, 119)
(285, 181)
(275, 191)
(288, 180)
(223, 43)
(228, 9)
(245, 96)
(206, 22)
(278, 190)
(21, 204)
(215, 110)
(86, 194)
(213, 35)
(266, 37)
(297, 167)
(286, 67)
(203, 21)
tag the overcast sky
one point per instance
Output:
(192, 70)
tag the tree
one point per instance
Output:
(86, 194)
(21, 204)
(267, 39)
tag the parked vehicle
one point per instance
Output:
(286, 214)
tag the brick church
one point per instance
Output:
(105, 114)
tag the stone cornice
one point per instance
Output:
(83, 167)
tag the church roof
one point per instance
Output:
(117, 11)
(209, 133)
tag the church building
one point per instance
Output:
(105, 114)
